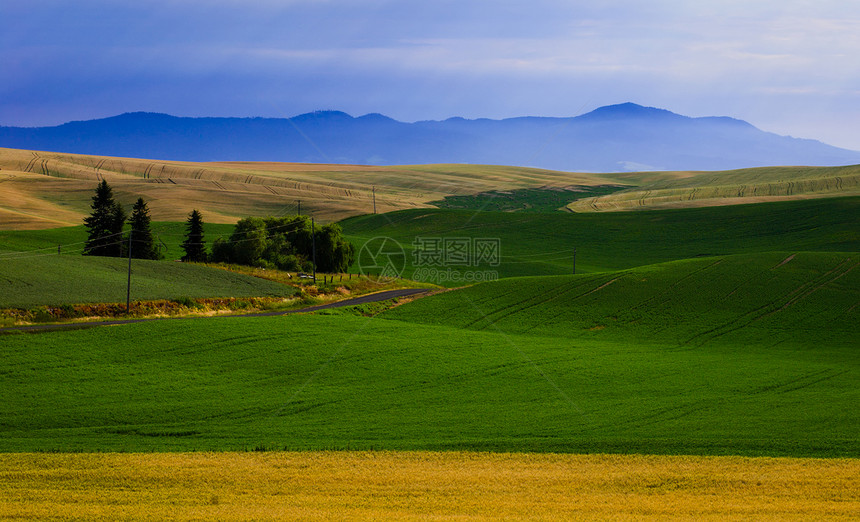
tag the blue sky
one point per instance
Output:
(787, 66)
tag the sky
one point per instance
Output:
(787, 66)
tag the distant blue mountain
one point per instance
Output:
(609, 139)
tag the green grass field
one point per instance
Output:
(168, 234)
(548, 199)
(74, 279)
(706, 331)
(773, 299)
(780, 380)
(542, 244)
(32, 274)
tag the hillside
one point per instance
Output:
(43, 279)
(542, 244)
(47, 190)
(772, 372)
(707, 331)
(698, 189)
(625, 137)
(773, 299)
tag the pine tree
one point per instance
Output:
(105, 224)
(194, 244)
(142, 242)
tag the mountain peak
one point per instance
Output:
(629, 110)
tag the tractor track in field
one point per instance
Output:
(363, 299)
(787, 299)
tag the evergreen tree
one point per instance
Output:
(194, 244)
(105, 224)
(142, 242)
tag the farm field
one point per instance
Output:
(776, 299)
(168, 235)
(542, 244)
(752, 380)
(698, 189)
(34, 274)
(69, 279)
(49, 190)
(421, 485)
(701, 364)
(529, 244)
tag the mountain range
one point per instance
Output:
(614, 138)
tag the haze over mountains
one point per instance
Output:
(609, 139)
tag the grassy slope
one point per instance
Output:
(168, 234)
(32, 274)
(802, 299)
(317, 382)
(670, 375)
(542, 244)
(57, 280)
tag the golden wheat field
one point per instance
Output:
(423, 485)
(731, 187)
(47, 189)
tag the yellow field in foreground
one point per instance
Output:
(422, 485)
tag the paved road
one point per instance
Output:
(369, 298)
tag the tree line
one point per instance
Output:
(286, 243)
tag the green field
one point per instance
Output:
(542, 244)
(168, 235)
(546, 199)
(32, 274)
(708, 331)
(799, 299)
(770, 371)
(61, 280)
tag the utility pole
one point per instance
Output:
(574, 260)
(314, 248)
(374, 199)
(128, 287)
(299, 213)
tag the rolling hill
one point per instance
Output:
(543, 244)
(804, 299)
(519, 365)
(625, 137)
(47, 190)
